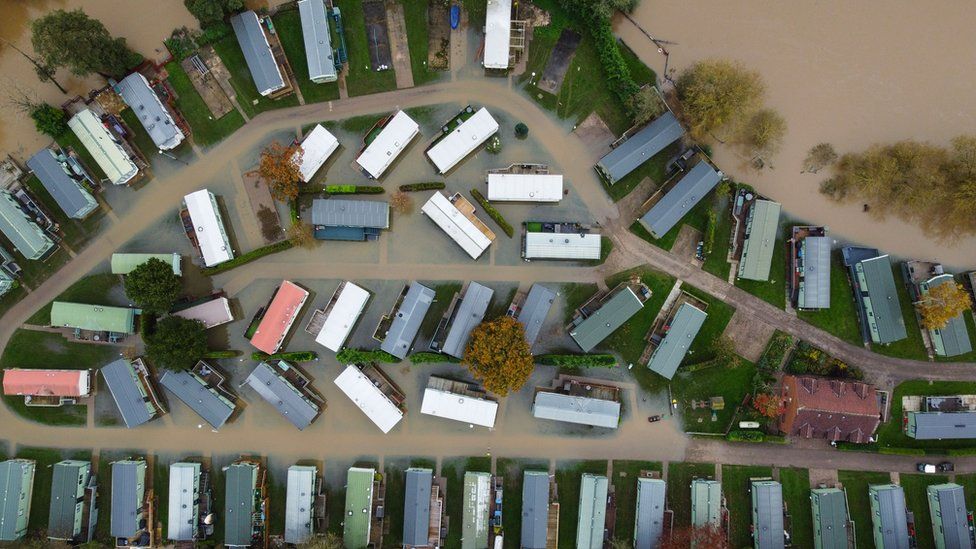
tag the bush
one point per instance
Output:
(230, 353)
(428, 186)
(521, 130)
(297, 356)
(49, 119)
(354, 189)
(775, 351)
(902, 451)
(250, 256)
(214, 33)
(745, 436)
(577, 361)
(810, 360)
(360, 356)
(493, 213)
(427, 358)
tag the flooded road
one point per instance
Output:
(848, 73)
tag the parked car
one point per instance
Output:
(946, 467)
(925, 468)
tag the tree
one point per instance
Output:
(49, 119)
(44, 73)
(81, 44)
(696, 536)
(715, 93)
(209, 12)
(498, 355)
(942, 303)
(301, 235)
(176, 343)
(763, 133)
(645, 105)
(521, 130)
(153, 286)
(279, 168)
(819, 157)
(401, 203)
(768, 405)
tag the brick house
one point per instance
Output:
(833, 409)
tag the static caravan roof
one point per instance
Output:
(477, 502)
(442, 212)
(152, 114)
(129, 393)
(97, 318)
(61, 383)
(888, 513)
(510, 187)
(377, 407)
(706, 502)
(563, 246)
(815, 287)
(344, 212)
(947, 507)
(640, 147)
(605, 320)
(318, 42)
(392, 140)
(68, 484)
(257, 52)
(576, 409)
(767, 515)
(880, 300)
(299, 503)
(684, 196)
(279, 392)
(123, 264)
(343, 317)
(209, 227)
(463, 408)
(416, 506)
(184, 501)
(462, 140)
(760, 240)
(241, 479)
(534, 311)
(278, 318)
(498, 33)
(535, 509)
(211, 313)
(407, 320)
(26, 237)
(592, 511)
(649, 522)
(941, 425)
(128, 492)
(681, 334)
(196, 393)
(317, 146)
(73, 199)
(357, 517)
(16, 491)
(829, 506)
(104, 148)
(953, 340)
(471, 311)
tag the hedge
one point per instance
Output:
(360, 356)
(962, 452)
(902, 451)
(755, 436)
(297, 356)
(429, 186)
(354, 189)
(250, 256)
(493, 213)
(577, 361)
(427, 358)
(231, 353)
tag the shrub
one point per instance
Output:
(361, 356)
(902, 451)
(577, 361)
(745, 436)
(493, 213)
(49, 119)
(521, 130)
(214, 33)
(428, 186)
(428, 358)
(230, 353)
(775, 351)
(297, 356)
(354, 189)
(250, 256)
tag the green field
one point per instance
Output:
(680, 475)
(95, 289)
(841, 318)
(415, 17)
(361, 79)
(717, 262)
(568, 475)
(625, 474)
(735, 487)
(912, 346)
(856, 484)
(443, 293)
(732, 385)
(289, 26)
(27, 349)
(248, 97)
(891, 435)
(796, 495)
(574, 295)
(917, 502)
(206, 130)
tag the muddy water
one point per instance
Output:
(851, 74)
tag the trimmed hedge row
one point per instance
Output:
(429, 186)
(360, 356)
(754, 436)
(230, 353)
(297, 356)
(577, 361)
(354, 189)
(250, 256)
(493, 213)
(429, 358)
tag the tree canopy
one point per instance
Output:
(153, 286)
(819, 157)
(279, 168)
(83, 45)
(763, 133)
(716, 93)
(49, 119)
(176, 343)
(209, 12)
(498, 355)
(941, 304)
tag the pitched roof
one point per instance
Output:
(62, 383)
(941, 425)
(358, 514)
(342, 318)
(685, 195)
(576, 409)
(525, 187)
(211, 313)
(535, 509)
(184, 501)
(103, 147)
(476, 501)
(471, 311)
(376, 405)
(592, 511)
(466, 234)
(129, 392)
(947, 508)
(767, 514)
(398, 131)
(68, 483)
(73, 199)
(760, 240)
(16, 491)
(676, 343)
(26, 237)
(498, 33)
(206, 401)
(257, 52)
(152, 114)
(649, 518)
(462, 140)
(123, 264)
(534, 311)
(240, 482)
(317, 146)
(953, 340)
(318, 45)
(706, 502)
(815, 282)
(416, 506)
(277, 321)
(539, 245)
(209, 227)
(299, 503)
(343, 212)
(96, 318)
(889, 516)
(463, 408)
(407, 320)
(611, 315)
(879, 299)
(128, 491)
(290, 401)
(640, 147)
(829, 506)
(835, 409)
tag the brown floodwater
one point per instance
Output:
(848, 73)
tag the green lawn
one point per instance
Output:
(841, 318)
(912, 346)
(735, 487)
(64, 416)
(11, 298)
(161, 482)
(69, 139)
(717, 262)
(30, 349)
(206, 130)
(680, 475)
(289, 26)
(415, 15)
(240, 79)
(628, 340)
(395, 484)
(574, 295)
(732, 385)
(278, 497)
(796, 495)
(361, 79)
(697, 218)
(76, 232)
(140, 136)
(772, 291)
(917, 502)
(443, 293)
(968, 483)
(625, 474)
(891, 435)
(94, 289)
(653, 168)
(856, 484)
(568, 475)
(971, 329)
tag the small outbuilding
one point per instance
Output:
(318, 41)
(154, 116)
(284, 309)
(257, 52)
(685, 195)
(396, 133)
(461, 141)
(66, 187)
(281, 385)
(525, 187)
(317, 147)
(104, 147)
(407, 318)
(207, 227)
(639, 148)
(349, 220)
(123, 264)
(25, 236)
(681, 333)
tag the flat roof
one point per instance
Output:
(290, 401)
(442, 212)
(463, 408)
(829, 506)
(416, 506)
(343, 317)
(767, 515)
(471, 311)
(128, 392)
(69, 481)
(534, 311)
(407, 320)
(685, 195)
(947, 508)
(345, 212)
(73, 199)
(25, 236)
(97, 318)
(592, 511)
(317, 146)
(241, 480)
(576, 409)
(128, 490)
(103, 147)
(640, 147)
(62, 383)
(941, 425)
(563, 245)
(16, 489)
(462, 140)
(706, 502)
(880, 300)
(279, 317)
(953, 340)
(604, 321)
(498, 33)
(888, 513)
(208, 227)
(535, 509)
(299, 503)
(184, 501)
(196, 393)
(681, 334)
(476, 497)
(815, 285)
(392, 140)
(527, 187)
(124, 264)
(257, 52)
(318, 41)
(377, 407)
(358, 514)
(211, 313)
(649, 519)
(762, 227)
(152, 114)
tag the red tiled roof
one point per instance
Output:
(278, 319)
(63, 383)
(829, 408)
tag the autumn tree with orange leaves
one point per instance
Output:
(696, 536)
(941, 304)
(768, 405)
(498, 355)
(279, 169)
